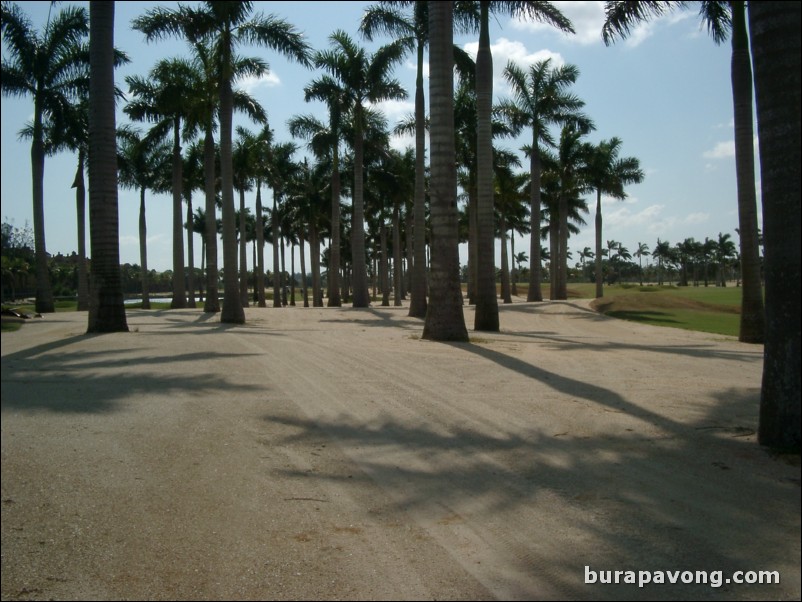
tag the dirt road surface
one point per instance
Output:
(332, 454)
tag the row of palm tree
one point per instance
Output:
(223, 26)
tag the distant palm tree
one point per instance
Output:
(363, 80)
(540, 99)
(226, 25)
(52, 68)
(608, 174)
(325, 141)
(281, 172)
(640, 253)
(444, 319)
(414, 27)
(164, 99)
(144, 164)
(723, 251)
(662, 253)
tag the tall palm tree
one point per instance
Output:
(774, 28)
(325, 141)
(415, 27)
(486, 315)
(226, 25)
(281, 171)
(106, 308)
(164, 98)
(203, 118)
(540, 98)
(50, 67)
(572, 165)
(444, 319)
(143, 164)
(69, 130)
(608, 174)
(722, 19)
(364, 80)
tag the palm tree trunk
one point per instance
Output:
(80, 210)
(599, 281)
(233, 312)
(359, 277)
(243, 251)
(314, 250)
(106, 307)
(444, 319)
(562, 264)
(535, 293)
(417, 303)
(274, 219)
(190, 254)
(486, 314)
(302, 242)
(513, 281)
(505, 262)
(260, 243)
(44, 290)
(397, 275)
(774, 30)
(212, 302)
(752, 312)
(179, 287)
(335, 298)
(410, 264)
(143, 251)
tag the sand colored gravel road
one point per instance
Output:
(332, 454)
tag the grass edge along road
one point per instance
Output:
(715, 310)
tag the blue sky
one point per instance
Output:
(665, 92)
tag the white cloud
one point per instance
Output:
(396, 109)
(504, 51)
(722, 150)
(624, 217)
(696, 218)
(587, 18)
(252, 83)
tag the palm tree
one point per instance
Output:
(722, 18)
(69, 130)
(662, 253)
(415, 28)
(608, 174)
(142, 164)
(363, 79)
(226, 25)
(281, 171)
(640, 253)
(723, 251)
(325, 141)
(540, 99)
(106, 308)
(444, 320)
(164, 99)
(486, 315)
(573, 157)
(203, 116)
(774, 28)
(51, 68)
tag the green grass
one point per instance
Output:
(710, 309)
